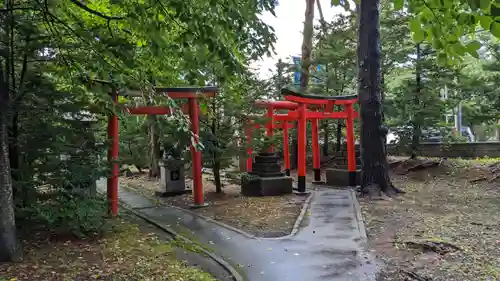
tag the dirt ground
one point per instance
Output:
(125, 252)
(271, 216)
(444, 228)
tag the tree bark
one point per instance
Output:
(307, 44)
(326, 132)
(14, 155)
(416, 123)
(375, 179)
(154, 148)
(215, 155)
(9, 245)
(308, 33)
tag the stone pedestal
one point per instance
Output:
(340, 177)
(266, 178)
(172, 178)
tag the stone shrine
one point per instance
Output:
(266, 178)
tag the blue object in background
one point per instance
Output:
(297, 74)
(315, 80)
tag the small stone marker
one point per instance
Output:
(172, 178)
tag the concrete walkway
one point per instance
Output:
(329, 246)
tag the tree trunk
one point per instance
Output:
(14, 156)
(375, 179)
(215, 156)
(307, 44)
(382, 98)
(9, 247)
(416, 124)
(154, 148)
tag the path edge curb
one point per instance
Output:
(359, 216)
(236, 276)
(295, 229)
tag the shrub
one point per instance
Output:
(65, 212)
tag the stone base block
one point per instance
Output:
(340, 177)
(344, 166)
(252, 185)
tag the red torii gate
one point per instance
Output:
(192, 108)
(302, 107)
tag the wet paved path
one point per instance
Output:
(329, 246)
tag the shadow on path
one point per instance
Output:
(329, 247)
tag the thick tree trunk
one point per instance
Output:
(375, 179)
(307, 44)
(9, 247)
(154, 148)
(14, 156)
(382, 98)
(416, 123)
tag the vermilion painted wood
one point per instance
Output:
(351, 155)
(270, 124)
(196, 154)
(248, 133)
(277, 104)
(325, 102)
(302, 107)
(293, 115)
(315, 144)
(302, 150)
(191, 108)
(286, 151)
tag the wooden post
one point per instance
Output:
(302, 130)
(286, 152)
(351, 153)
(196, 154)
(270, 125)
(316, 152)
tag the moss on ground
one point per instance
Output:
(123, 254)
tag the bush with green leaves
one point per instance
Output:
(69, 213)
